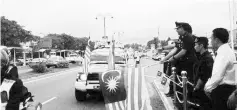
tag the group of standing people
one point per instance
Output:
(213, 80)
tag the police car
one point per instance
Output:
(88, 83)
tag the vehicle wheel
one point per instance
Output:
(48, 66)
(159, 59)
(56, 66)
(80, 96)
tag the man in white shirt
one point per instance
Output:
(222, 81)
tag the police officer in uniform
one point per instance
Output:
(203, 71)
(183, 55)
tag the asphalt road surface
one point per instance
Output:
(56, 91)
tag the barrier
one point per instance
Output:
(174, 85)
(184, 78)
(178, 81)
(180, 95)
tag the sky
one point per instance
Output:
(137, 21)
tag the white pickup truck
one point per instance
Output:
(74, 58)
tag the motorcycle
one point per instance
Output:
(27, 103)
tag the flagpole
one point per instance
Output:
(113, 61)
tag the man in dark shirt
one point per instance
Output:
(202, 71)
(183, 55)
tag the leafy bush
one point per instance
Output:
(39, 68)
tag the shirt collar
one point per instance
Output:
(222, 47)
(203, 54)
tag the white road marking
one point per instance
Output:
(136, 89)
(47, 101)
(53, 75)
(147, 101)
(129, 88)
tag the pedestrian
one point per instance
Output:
(222, 81)
(183, 55)
(202, 71)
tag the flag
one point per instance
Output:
(113, 89)
(112, 84)
(87, 57)
(138, 96)
(165, 82)
(159, 75)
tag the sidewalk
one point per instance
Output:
(168, 102)
(161, 89)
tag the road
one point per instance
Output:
(56, 92)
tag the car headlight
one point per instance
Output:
(83, 77)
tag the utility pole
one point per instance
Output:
(232, 16)
(104, 19)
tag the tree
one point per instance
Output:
(135, 46)
(164, 43)
(12, 34)
(68, 41)
(156, 41)
(149, 43)
(64, 41)
(127, 46)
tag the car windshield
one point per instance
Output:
(101, 59)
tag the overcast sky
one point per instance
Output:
(139, 20)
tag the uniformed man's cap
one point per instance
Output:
(201, 39)
(184, 25)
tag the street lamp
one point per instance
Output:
(104, 17)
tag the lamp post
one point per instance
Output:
(104, 18)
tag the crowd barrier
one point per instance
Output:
(181, 82)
